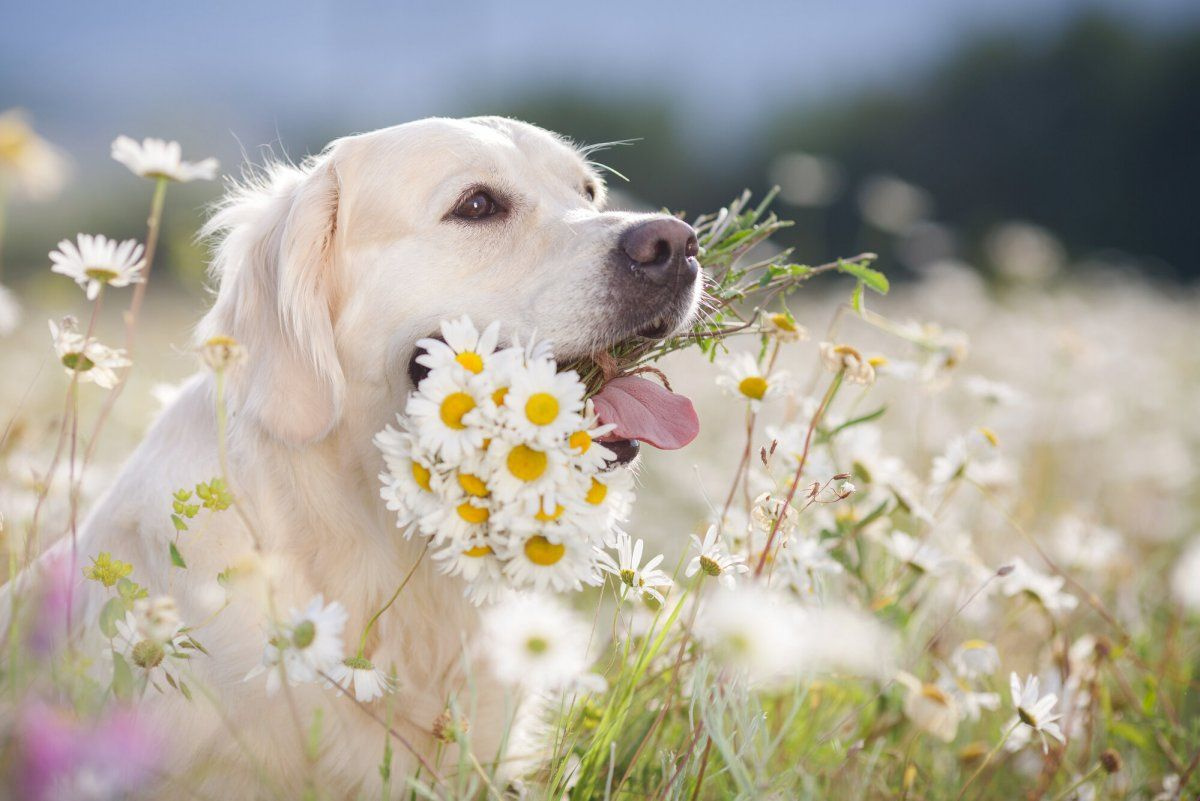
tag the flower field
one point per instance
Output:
(935, 538)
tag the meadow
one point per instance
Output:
(937, 539)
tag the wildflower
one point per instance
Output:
(98, 261)
(645, 579)
(222, 352)
(527, 475)
(461, 345)
(971, 703)
(1047, 589)
(408, 482)
(60, 755)
(309, 645)
(367, 681)
(712, 559)
(752, 631)
(545, 405)
(158, 159)
(996, 393)
(149, 636)
(36, 165)
(743, 378)
(916, 554)
(975, 658)
(85, 357)
(839, 358)
(445, 413)
(536, 642)
(1034, 711)
(783, 326)
(805, 559)
(929, 707)
(538, 561)
(106, 570)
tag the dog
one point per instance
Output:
(328, 273)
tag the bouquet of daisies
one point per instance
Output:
(498, 462)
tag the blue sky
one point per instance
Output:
(218, 73)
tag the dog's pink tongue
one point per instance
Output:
(646, 411)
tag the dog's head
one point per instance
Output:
(331, 271)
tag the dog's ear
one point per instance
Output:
(277, 259)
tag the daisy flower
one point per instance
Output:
(805, 559)
(443, 414)
(587, 453)
(1034, 711)
(1047, 589)
(37, 167)
(358, 674)
(783, 326)
(646, 579)
(751, 631)
(308, 645)
(920, 556)
(158, 159)
(86, 358)
(602, 499)
(975, 658)
(537, 561)
(98, 260)
(529, 477)
(836, 358)
(408, 484)
(544, 405)
(970, 702)
(744, 378)
(712, 559)
(536, 642)
(929, 707)
(474, 560)
(148, 636)
(461, 346)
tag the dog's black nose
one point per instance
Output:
(663, 250)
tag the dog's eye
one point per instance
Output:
(477, 206)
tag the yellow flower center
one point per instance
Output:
(478, 551)
(754, 386)
(526, 463)
(472, 485)
(498, 396)
(454, 406)
(470, 360)
(100, 274)
(472, 513)
(546, 518)
(596, 493)
(783, 323)
(421, 475)
(580, 441)
(542, 551)
(541, 409)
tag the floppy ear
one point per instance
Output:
(277, 261)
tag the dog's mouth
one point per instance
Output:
(639, 408)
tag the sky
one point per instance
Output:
(231, 75)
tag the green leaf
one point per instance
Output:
(176, 556)
(183, 688)
(866, 418)
(874, 279)
(1129, 733)
(178, 522)
(113, 611)
(122, 681)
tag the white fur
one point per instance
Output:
(329, 272)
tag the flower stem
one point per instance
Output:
(787, 503)
(987, 760)
(362, 641)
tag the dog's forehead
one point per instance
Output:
(431, 148)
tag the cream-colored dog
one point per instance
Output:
(329, 273)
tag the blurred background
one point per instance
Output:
(917, 129)
(1028, 166)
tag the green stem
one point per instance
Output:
(1078, 783)
(987, 760)
(362, 641)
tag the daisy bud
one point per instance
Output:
(846, 359)
(221, 352)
